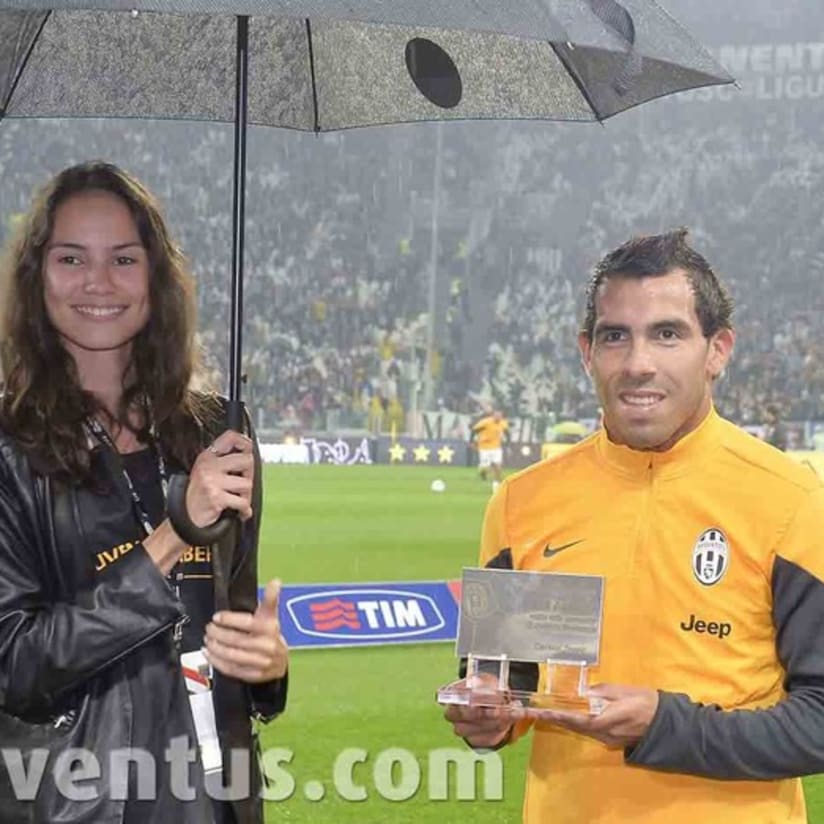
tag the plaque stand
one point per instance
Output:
(565, 687)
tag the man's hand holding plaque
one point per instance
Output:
(484, 726)
(626, 716)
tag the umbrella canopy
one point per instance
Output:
(334, 64)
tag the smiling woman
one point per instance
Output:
(96, 283)
(100, 599)
(98, 319)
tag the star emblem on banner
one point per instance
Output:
(446, 454)
(397, 452)
(422, 453)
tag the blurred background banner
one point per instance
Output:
(423, 452)
(329, 449)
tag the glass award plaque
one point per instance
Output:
(547, 618)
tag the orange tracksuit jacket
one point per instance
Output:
(713, 565)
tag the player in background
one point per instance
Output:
(489, 434)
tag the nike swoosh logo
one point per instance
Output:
(549, 551)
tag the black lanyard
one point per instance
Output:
(105, 439)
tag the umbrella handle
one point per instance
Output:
(182, 523)
(176, 498)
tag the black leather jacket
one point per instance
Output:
(71, 638)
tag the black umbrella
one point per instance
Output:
(334, 64)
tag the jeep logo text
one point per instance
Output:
(717, 628)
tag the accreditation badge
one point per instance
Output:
(198, 675)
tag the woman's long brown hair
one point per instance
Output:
(43, 405)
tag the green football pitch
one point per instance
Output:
(370, 712)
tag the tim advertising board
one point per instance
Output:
(348, 615)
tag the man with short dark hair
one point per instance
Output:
(712, 656)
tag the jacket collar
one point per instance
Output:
(682, 457)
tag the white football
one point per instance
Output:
(438, 485)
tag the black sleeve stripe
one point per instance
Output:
(798, 607)
(503, 560)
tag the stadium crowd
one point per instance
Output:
(338, 254)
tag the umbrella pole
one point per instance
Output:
(235, 410)
(178, 483)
